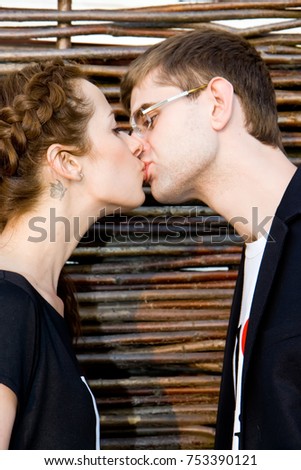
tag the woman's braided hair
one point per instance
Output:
(40, 105)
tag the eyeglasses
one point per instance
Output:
(141, 121)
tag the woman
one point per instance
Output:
(63, 163)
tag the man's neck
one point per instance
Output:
(249, 189)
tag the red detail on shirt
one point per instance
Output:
(244, 336)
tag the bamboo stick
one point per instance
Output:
(170, 304)
(154, 411)
(103, 314)
(152, 250)
(169, 263)
(152, 294)
(137, 328)
(157, 396)
(225, 6)
(169, 326)
(201, 417)
(292, 139)
(78, 274)
(127, 359)
(203, 440)
(63, 41)
(101, 52)
(140, 382)
(289, 119)
(102, 288)
(286, 78)
(121, 402)
(275, 38)
(151, 338)
(81, 30)
(265, 29)
(175, 429)
(115, 71)
(139, 17)
(285, 97)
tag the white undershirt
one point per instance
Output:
(253, 257)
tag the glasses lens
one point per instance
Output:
(140, 122)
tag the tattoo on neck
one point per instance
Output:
(57, 190)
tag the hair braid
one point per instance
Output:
(12, 141)
(39, 105)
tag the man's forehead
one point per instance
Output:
(144, 88)
(149, 91)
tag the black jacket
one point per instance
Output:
(271, 379)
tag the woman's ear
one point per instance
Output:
(64, 163)
(222, 94)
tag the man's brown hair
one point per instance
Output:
(188, 60)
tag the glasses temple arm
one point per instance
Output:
(161, 103)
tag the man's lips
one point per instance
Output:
(146, 171)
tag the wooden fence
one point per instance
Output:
(155, 285)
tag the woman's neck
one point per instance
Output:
(38, 245)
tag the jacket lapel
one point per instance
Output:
(270, 260)
(289, 207)
(224, 427)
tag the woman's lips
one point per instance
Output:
(146, 171)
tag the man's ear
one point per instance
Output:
(222, 95)
(64, 163)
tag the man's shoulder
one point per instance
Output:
(290, 204)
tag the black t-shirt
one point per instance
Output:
(37, 361)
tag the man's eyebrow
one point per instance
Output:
(144, 106)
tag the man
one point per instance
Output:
(204, 107)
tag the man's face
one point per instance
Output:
(180, 145)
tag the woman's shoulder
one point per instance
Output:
(16, 293)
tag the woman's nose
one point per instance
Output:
(137, 145)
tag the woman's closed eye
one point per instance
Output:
(118, 130)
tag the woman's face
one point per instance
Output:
(113, 172)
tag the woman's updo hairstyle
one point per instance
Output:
(40, 105)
